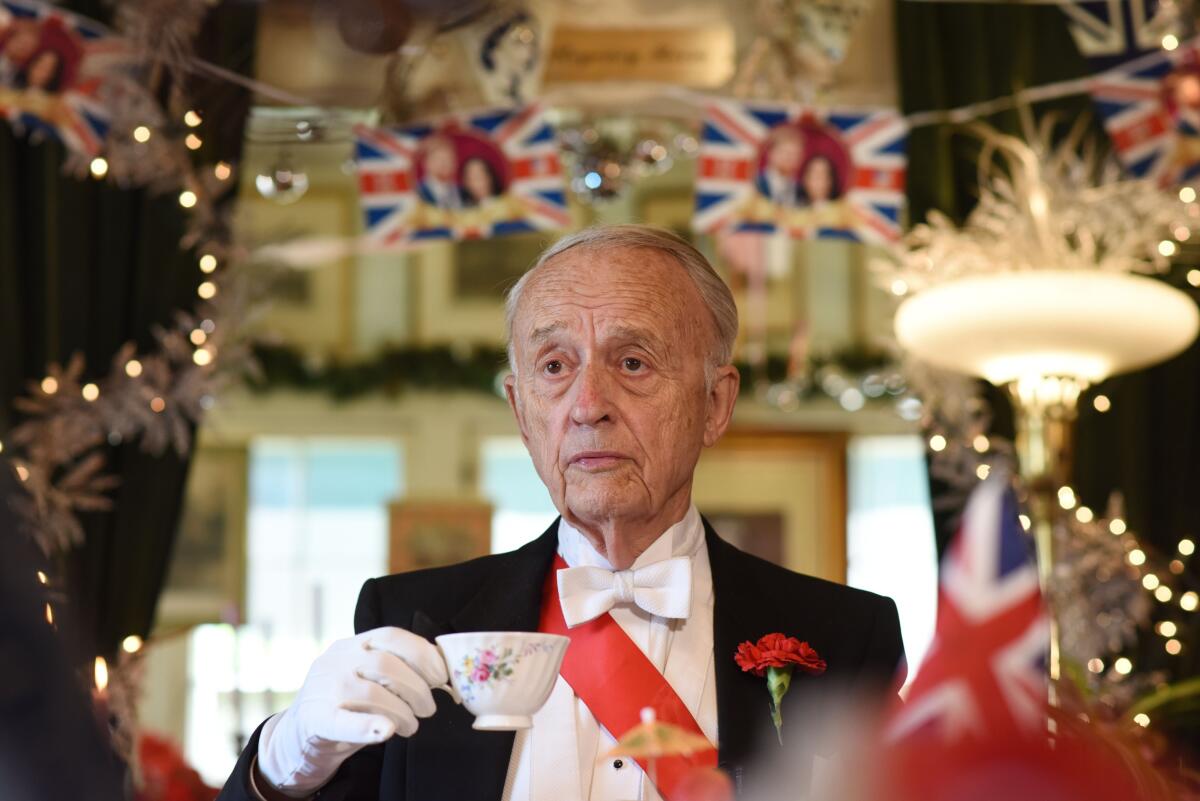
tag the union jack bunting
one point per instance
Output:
(1108, 32)
(984, 674)
(813, 173)
(1151, 110)
(54, 71)
(466, 176)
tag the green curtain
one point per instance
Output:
(85, 267)
(1148, 446)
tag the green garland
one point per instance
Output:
(476, 369)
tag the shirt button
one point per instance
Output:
(618, 764)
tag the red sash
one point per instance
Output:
(615, 679)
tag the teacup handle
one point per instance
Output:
(449, 688)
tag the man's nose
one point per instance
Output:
(592, 401)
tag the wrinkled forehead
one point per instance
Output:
(611, 289)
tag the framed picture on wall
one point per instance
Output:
(461, 286)
(206, 579)
(435, 533)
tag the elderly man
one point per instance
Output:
(620, 346)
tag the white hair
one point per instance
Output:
(713, 291)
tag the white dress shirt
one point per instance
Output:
(561, 757)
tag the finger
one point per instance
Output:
(367, 696)
(394, 675)
(416, 651)
(360, 728)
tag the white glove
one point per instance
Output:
(361, 691)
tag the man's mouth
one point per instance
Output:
(596, 460)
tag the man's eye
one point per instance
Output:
(553, 367)
(632, 364)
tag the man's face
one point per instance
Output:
(610, 391)
(440, 161)
(21, 44)
(785, 154)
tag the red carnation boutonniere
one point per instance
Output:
(776, 656)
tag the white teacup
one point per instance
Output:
(502, 677)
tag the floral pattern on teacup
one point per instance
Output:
(489, 666)
(485, 665)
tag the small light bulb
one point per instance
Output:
(1189, 600)
(1173, 647)
(222, 171)
(1150, 581)
(1084, 514)
(982, 471)
(141, 134)
(192, 142)
(1066, 497)
(133, 368)
(1142, 719)
(157, 404)
(99, 167)
(101, 673)
(191, 119)
(899, 288)
(202, 357)
(1182, 233)
(981, 443)
(1163, 594)
(208, 263)
(1101, 403)
(1187, 194)
(1117, 526)
(1187, 547)
(1167, 628)
(90, 392)
(207, 290)
(1167, 248)
(187, 198)
(1025, 521)
(1137, 557)
(197, 336)
(1123, 666)
(1176, 567)
(1170, 41)
(49, 385)
(1193, 277)
(131, 644)
(49, 614)
(1095, 665)
(42, 577)
(937, 443)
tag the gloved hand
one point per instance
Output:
(361, 691)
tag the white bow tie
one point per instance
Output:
(663, 588)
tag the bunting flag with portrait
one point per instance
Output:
(54, 71)
(812, 173)
(466, 176)
(1151, 110)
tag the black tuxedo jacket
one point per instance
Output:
(856, 632)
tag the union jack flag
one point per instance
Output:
(409, 193)
(1151, 110)
(1108, 32)
(857, 193)
(55, 68)
(985, 672)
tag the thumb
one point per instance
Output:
(360, 728)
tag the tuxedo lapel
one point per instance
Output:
(740, 610)
(447, 759)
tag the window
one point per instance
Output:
(317, 529)
(521, 506)
(889, 534)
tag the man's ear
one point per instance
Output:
(721, 398)
(514, 403)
